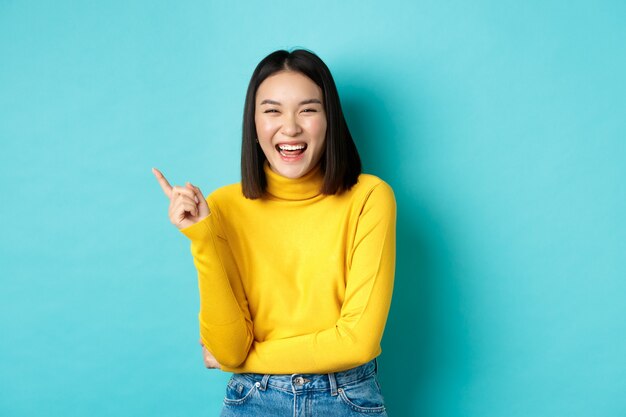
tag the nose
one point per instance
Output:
(291, 126)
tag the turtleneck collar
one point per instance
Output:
(294, 189)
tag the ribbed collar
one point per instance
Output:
(302, 188)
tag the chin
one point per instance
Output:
(291, 171)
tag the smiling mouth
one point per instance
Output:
(291, 151)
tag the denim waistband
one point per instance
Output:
(313, 382)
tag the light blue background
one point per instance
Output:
(500, 124)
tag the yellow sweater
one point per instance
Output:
(298, 281)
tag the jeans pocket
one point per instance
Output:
(363, 396)
(239, 390)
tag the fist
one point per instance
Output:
(187, 204)
(209, 360)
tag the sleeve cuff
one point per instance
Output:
(198, 231)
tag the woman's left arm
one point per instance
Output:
(355, 337)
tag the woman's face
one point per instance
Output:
(290, 123)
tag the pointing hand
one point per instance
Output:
(187, 204)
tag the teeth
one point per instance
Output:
(291, 147)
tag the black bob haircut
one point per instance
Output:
(340, 161)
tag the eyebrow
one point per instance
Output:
(277, 103)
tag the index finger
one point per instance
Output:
(167, 188)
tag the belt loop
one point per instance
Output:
(376, 366)
(333, 384)
(264, 381)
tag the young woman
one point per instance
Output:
(296, 263)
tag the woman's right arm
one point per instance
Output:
(225, 324)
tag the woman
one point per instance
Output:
(295, 264)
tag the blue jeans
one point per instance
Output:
(354, 392)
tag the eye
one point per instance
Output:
(310, 110)
(270, 111)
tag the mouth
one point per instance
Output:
(291, 150)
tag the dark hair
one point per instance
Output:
(340, 161)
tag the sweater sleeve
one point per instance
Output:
(355, 338)
(224, 318)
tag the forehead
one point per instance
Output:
(288, 85)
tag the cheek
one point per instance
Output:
(317, 128)
(265, 129)
(320, 131)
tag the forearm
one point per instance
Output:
(225, 326)
(329, 350)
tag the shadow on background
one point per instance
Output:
(418, 346)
